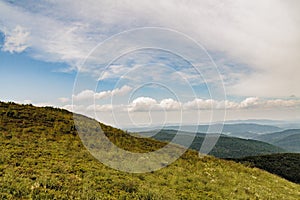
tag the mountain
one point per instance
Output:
(285, 165)
(42, 157)
(288, 139)
(257, 121)
(226, 147)
(278, 123)
(241, 130)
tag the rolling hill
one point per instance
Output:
(42, 157)
(288, 139)
(226, 147)
(285, 165)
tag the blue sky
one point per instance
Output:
(248, 58)
(24, 78)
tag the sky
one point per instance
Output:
(139, 62)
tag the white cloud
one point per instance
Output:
(255, 102)
(199, 104)
(170, 104)
(145, 110)
(15, 40)
(268, 42)
(147, 104)
(114, 71)
(250, 102)
(50, 39)
(143, 104)
(115, 92)
(89, 94)
(279, 103)
(100, 108)
(86, 94)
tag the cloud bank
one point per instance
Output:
(263, 35)
(89, 94)
(148, 104)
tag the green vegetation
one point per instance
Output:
(42, 157)
(226, 147)
(286, 165)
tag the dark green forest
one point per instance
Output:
(286, 165)
(226, 147)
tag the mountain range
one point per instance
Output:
(287, 139)
(226, 147)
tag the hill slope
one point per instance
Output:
(288, 139)
(285, 165)
(42, 157)
(226, 147)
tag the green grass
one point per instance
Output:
(42, 157)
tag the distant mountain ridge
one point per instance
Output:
(241, 130)
(228, 127)
(287, 139)
(226, 146)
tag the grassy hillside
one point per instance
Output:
(226, 147)
(285, 165)
(288, 139)
(42, 157)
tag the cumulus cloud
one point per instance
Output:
(149, 104)
(250, 102)
(143, 104)
(15, 40)
(86, 94)
(171, 111)
(170, 104)
(89, 94)
(200, 104)
(255, 102)
(100, 108)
